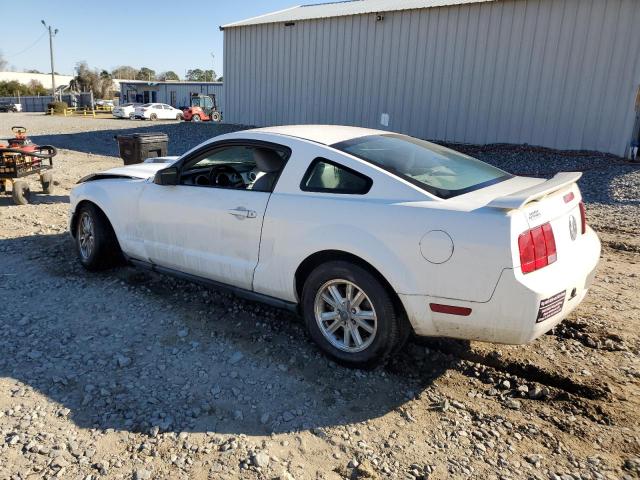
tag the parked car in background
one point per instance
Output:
(126, 110)
(104, 103)
(369, 234)
(157, 111)
(10, 107)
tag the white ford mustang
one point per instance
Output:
(371, 235)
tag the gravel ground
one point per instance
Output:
(126, 374)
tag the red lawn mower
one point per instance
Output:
(19, 158)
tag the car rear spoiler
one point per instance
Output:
(520, 199)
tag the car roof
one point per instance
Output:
(325, 134)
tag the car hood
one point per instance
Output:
(138, 170)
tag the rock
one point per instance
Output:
(505, 384)
(513, 404)
(264, 418)
(122, 360)
(260, 460)
(533, 459)
(236, 357)
(141, 474)
(353, 463)
(183, 332)
(535, 393)
(287, 416)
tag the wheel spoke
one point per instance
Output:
(334, 326)
(333, 290)
(346, 338)
(348, 292)
(329, 300)
(364, 315)
(326, 316)
(356, 335)
(357, 299)
(363, 325)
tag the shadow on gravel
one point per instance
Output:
(141, 352)
(182, 136)
(36, 198)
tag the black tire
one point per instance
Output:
(153, 117)
(388, 320)
(46, 180)
(132, 116)
(21, 193)
(105, 251)
(195, 118)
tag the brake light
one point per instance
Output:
(583, 218)
(537, 248)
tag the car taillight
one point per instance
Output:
(583, 218)
(537, 248)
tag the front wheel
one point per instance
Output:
(195, 118)
(21, 193)
(153, 117)
(96, 241)
(350, 314)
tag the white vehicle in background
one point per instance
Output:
(157, 111)
(126, 110)
(369, 234)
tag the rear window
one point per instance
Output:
(438, 170)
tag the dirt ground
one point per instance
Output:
(126, 374)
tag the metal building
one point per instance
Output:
(556, 73)
(176, 94)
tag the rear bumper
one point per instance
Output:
(522, 307)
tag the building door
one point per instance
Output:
(172, 98)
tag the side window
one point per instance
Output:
(329, 177)
(241, 167)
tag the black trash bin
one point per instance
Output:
(137, 147)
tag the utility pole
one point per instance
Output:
(52, 33)
(213, 61)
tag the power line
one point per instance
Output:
(28, 48)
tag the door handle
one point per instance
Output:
(241, 212)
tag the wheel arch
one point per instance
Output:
(74, 218)
(314, 260)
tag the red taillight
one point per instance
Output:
(583, 218)
(537, 248)
(568, 197)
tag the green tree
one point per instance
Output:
(36, 88)
(124, 72)
(199, 75)
(168, 75)
(146, 74)
(14, 88)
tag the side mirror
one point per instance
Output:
(166, 176)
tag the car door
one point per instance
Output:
(205, 229)
(167, 113)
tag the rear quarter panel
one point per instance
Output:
(384, 228)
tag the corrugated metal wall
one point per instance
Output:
(557, 73)
(183, 91)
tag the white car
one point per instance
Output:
(126, 110)
(369, 234)
(157, 111)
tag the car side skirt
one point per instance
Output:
(240, 292)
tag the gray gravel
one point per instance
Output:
(125, 374)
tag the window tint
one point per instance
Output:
(438, 170)
(329, 177)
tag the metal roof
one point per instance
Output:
(350, 7)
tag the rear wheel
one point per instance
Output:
(153, 117)
(96, 241)
(216, 117)
(46, 180)
(132, 116)
(21, 193)
(350, 314)
(179, 116)
(195, 118)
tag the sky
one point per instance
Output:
(159, 34)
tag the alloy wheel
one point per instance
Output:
(345, 315)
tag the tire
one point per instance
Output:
(195, 118)
(21, 193)
(216, 117)
(96, 242)
(46, 180)
(132, 116)
(153, 117)
(178, 117)
(380, 338)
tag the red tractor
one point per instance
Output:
(203, 109)
(20, 158)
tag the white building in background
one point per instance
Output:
(563, 74)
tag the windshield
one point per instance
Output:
(438, 170)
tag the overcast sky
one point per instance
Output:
(160, 34)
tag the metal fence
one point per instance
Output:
(39, 104)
